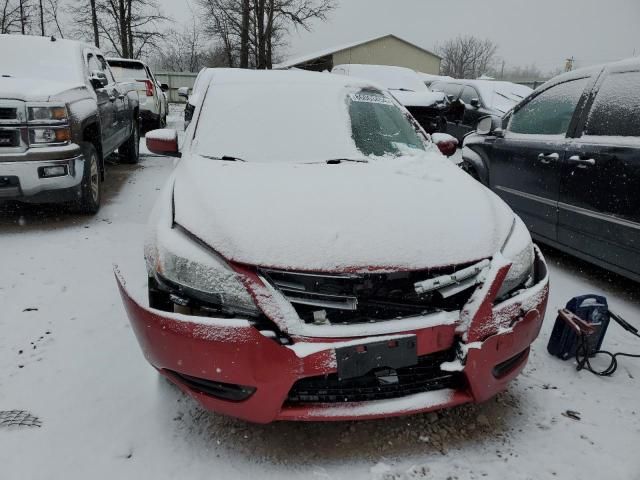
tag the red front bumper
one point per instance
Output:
(233, 352)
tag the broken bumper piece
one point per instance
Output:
(231, 368)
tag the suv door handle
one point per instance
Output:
(547, 159)
(582, 162)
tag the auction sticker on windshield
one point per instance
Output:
(369, 98)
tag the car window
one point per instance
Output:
(128, 71)
(379, 127)
(468, 94)
(448, 88)
(615, 109)
(106, 69)
(94, 64)
(549, 113)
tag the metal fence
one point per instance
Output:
(176, 80)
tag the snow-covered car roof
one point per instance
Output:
(390, 77)
(498, 95)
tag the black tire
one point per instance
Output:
(130, 150)
(91, 186)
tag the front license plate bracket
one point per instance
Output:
(358, 360)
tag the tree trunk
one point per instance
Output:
(244, 35)
(41, 19)
(122, 29)
(94, 22)
(22, 19)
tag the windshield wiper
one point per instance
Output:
(401, 90)
(224, 158)
(338, 161)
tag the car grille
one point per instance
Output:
(9, 138)
(381, 384)
(7, 113)
(363, 298)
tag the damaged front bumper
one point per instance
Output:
(232, 368)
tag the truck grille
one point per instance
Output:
(363, 298)
(7, 113)
(382, 384)
(9, 138)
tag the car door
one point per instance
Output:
(526, 163)
(452, 90)
(599, 209)
(106, 107)
(471, 114)
(117, 96)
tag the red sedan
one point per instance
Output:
(315, 257)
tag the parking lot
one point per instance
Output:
(68, 356)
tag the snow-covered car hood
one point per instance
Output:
(387, 215)
(418, 99)
(33, 89)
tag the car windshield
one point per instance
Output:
(127, 71)
(302, 123)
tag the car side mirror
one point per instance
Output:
(485, 126)
(98, 79)
(163, 142)
(183, 92)
(447, 144)
(164, 87)
(475, 103)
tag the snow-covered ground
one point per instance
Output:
(69, 357)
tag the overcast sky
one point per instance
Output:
(544, 32)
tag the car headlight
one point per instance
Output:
(200, 274)
(518, 249)
(48, 113)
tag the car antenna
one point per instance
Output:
(53, 39)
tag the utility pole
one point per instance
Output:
(568, 66)
(94, 23)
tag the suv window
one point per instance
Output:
(468, 94)
(549, 113)
(615, 109)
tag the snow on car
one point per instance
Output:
(314, 257)
(407, 86)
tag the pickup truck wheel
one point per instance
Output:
(130, 150)
(91, 186)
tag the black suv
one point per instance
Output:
(480, 98)
(567, 160)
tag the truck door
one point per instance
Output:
(106, 107)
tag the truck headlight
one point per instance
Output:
(518, 249)
(49, 135)
(200, 274)
(48, 113)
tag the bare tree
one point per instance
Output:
(182, 51)
(10, 20)
(127, 27)
(254, 30)
(467, 56)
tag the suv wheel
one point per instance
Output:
(91, 186)
(130, 150)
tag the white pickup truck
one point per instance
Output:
(61, 114)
